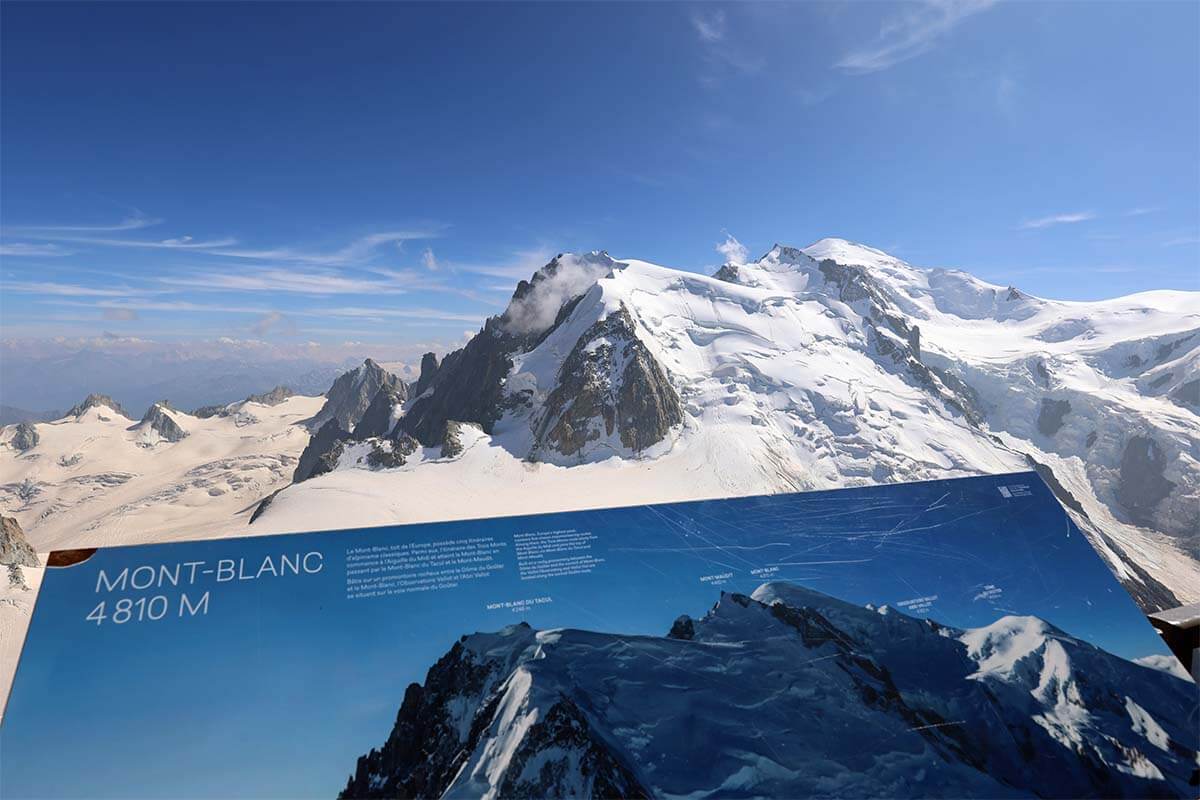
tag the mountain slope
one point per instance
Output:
(610, 381)
(788, 693)
(96, 477)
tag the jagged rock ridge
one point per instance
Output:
(96, 401)
(609, 383)
(158, 420)
(351, 394)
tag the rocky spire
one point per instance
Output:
(96, 401)
(350, 395)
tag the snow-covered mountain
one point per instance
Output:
(611, 382)
(787, 693)
(97, 477)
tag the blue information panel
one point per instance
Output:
(954, 638)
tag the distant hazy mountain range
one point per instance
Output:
(615, 381)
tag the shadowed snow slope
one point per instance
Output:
(836, 365)
(788, 693)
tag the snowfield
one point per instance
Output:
(102, 479)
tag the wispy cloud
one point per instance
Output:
(429, 260)
(133, 222)
(709, 25)
(71, 289)
(34, 250)
(909, 34)
(732, 250)
(428, 314)
(722, 54)
(177, 243)
(1181, 240)
(1057, 219)
(120, 314)
(139, 304)
(279, 280)
(357, 252)
(522, 264)
(1141, 211)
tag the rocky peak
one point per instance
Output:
(429, 368)
(96, 401)
(786, 254)
(350, 395)
(381, 415)
(322, 452)
(158, 419)
(536, 303)
(610, 387)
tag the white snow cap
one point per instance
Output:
(846, 252)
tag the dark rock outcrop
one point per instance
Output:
(388, 454)
(379, 418)
(25, 437)
(350, 395)
(96, 401)
(1142, 484)
(429, 368)
(1051, 415)
(728, 273)
(273, 397)
(1187, 394)
(158, 420)
(452, 446)
(684, 628)
(14, 547)
(322, 452)
(1040, 373)
(377, 423)
(468, 385)
(609, 382)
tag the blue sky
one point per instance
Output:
(285, 682)
(384, 173)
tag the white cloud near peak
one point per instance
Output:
(732, 250)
